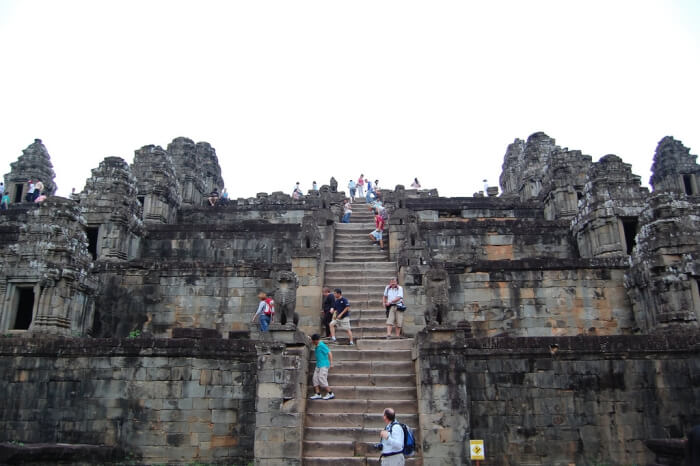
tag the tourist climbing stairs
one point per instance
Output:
(366, 378)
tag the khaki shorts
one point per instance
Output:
(343, 323)
(320, 378)
(395, 317)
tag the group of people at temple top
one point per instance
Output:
(35, 193)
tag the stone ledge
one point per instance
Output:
(208, 348)
(559, 347)
(52, 453)
(544, 264)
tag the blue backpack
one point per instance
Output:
(409, 441)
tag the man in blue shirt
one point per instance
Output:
(392, 441)
(341, 313)
(324, 361)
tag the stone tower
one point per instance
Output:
(607, 219)
(34, 164)
(157, 184)
(189, 170)
(112, 211)
(210, 166)
(563, 184)
(525, 165)
(663, 280)
(46, 285)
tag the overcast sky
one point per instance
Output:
(299, 91)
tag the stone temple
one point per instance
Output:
(556, 319)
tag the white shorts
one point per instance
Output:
(320, 378)
(343, 323)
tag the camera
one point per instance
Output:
(377, 446)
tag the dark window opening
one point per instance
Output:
(142, 200)
(92, 235)
(18, 193)
(579, 195)
(629, 226)
(688, 184)
(413, 240)
(451, 213)
(25, 309)
(308, 243)
(402, 205)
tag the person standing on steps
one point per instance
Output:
(377, 234)
(266, 309)
(341, 315)
(392, 441)
(324, 361)
(326, 313)
(393, 303)
(347, 211)
(361, 186)
(352, 187)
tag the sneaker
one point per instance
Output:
(329, 396)
(316, 396)
(352, 343)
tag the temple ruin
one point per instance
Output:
(557, 320)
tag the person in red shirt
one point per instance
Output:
(378, 234)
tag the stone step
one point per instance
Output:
(373, 367)
(348, 227)
(343, 353)
(342, 448)
(375, 256)
(367, 393)
(338, 266)
(349, 406)
(336, 380)
(365, 420)
(354, 460)
(358, 279)
(356, 248)
(382, 344)
(334, 434)
(372, 287)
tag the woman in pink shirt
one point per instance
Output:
(361, 186)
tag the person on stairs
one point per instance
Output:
(347, 211)
(266, 310)
(392, 441)
(341, 315)
(378, 234)
(393, 303)
(326, 313)
(361, 186)
(324, 361)
(352, 187)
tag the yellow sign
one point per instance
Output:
(476, 447)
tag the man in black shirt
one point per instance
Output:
(326, 313)
(341, 309)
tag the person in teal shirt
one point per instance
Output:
(324, 361)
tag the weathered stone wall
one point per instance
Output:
(555, 401)
(176, 400)
(155, 297)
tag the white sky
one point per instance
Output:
(298, 90)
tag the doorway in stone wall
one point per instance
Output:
(19, 189)
(629, 227)
(24, 307)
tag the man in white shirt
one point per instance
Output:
(392, 441)
(393, 303)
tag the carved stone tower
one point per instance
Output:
(112, 211)
(189, 170)
(157, 184)
(663, 280)
(607, 221)
(34, 164)
(563, 184)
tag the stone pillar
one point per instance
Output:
(443, 397)
(281, 402)
(607, 220)
(34, 164)
(307, 265)
(109, 204)
(157, 184)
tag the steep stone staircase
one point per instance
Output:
(374, 374)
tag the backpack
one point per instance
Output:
(269, 307)
(409, 441)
